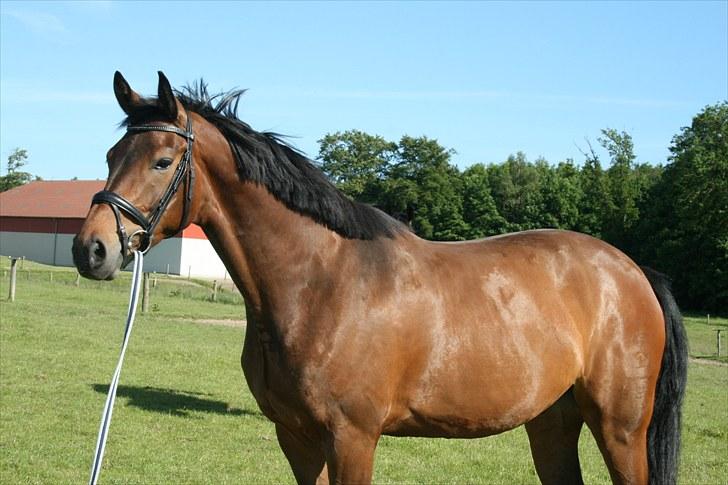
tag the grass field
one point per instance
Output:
(185, 415)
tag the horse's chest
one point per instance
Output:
(272, 383)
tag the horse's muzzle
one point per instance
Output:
(96, 259)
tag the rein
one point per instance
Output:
(111, 396)
(184, 171)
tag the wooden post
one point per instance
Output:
(214, 291)
(13, 274)
(717, 340)
(145, 293)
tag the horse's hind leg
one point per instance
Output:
(554, 439)
(306, 459)
(618, 419)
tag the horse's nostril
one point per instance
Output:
(99, 250)
(97, 253)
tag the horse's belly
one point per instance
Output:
(470, 415)
(424, 423)
(477, 390)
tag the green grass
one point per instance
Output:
(185, 415)
(702, 335)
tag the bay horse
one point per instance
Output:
(357, 328)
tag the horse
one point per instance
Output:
(357, 328)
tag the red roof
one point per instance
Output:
(52, 198)
(62, 199)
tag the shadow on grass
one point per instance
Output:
(176, 403)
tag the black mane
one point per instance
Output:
(267, 159)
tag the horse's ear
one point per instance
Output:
(167, 101)
(125, 95)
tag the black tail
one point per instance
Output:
(663, 435)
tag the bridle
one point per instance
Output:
(184, 170)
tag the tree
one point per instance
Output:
(560, 194)
(356, 162)
(623, 187)
(479, 209)
(596, 202)
(14, 176)
(515, 188)
(432, 194)
(687, 223)
(412, 180)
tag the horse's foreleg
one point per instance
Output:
(554, 439)
(350, 456)
(306, 458)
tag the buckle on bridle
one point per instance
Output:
(144, 237)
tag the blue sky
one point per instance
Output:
(486, 79)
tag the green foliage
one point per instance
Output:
(562, 196)
(412, 180)
(515, 187)
(673, 218)
(437, 203)
(479, 207)
(689, 219)
(15, 177)
(356, 162)
(596, 201)
(623, 187)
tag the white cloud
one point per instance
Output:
(43, 23)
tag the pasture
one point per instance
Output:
(184, 413)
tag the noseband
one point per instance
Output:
(185, 170)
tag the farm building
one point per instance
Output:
(40, 219)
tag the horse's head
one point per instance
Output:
(148, 193)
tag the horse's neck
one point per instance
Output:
(268, 249)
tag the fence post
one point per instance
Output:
(167, 269)
(145, 293)
(189, 272)
(13, 274)
(717, 340)
(51, 276)
(214, 291)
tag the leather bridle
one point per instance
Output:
(184, 171)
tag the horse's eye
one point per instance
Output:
(163, 163)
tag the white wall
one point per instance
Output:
(40, 247)
(34, 246)
(200, 259)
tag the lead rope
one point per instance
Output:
(111, 397)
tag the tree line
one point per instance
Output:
(672, 217)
